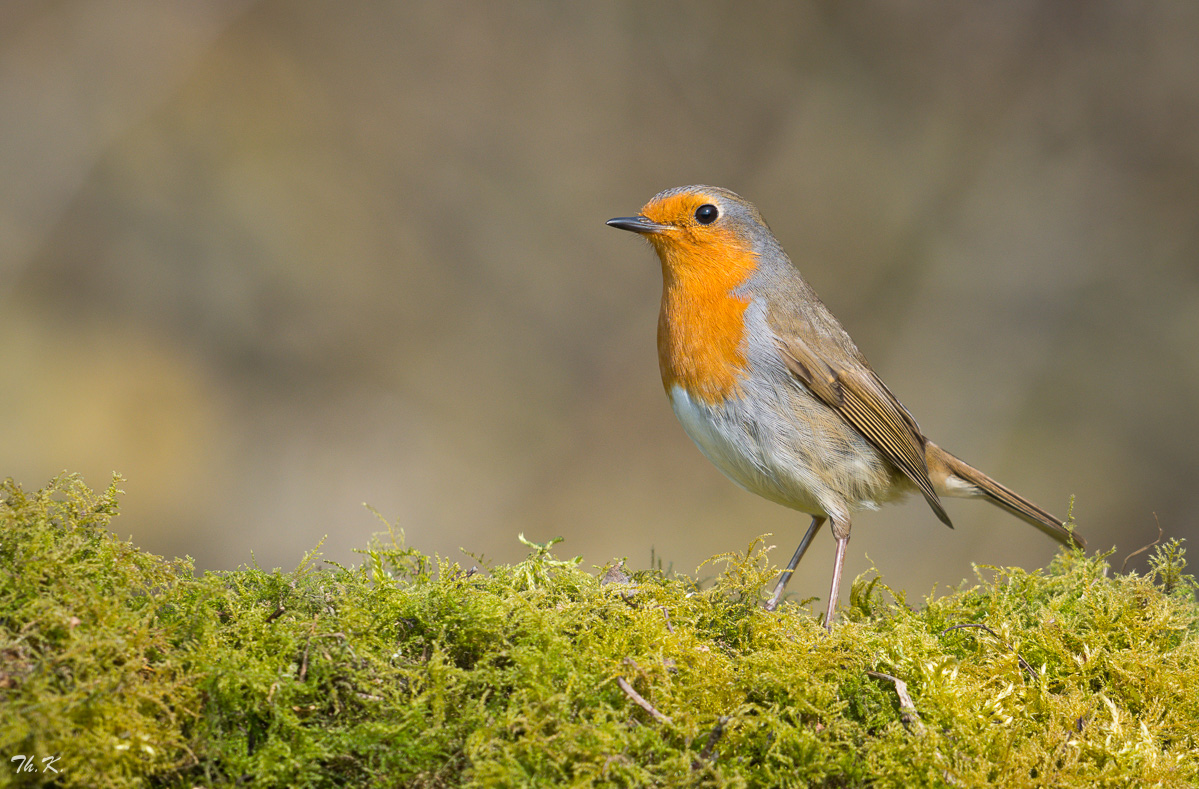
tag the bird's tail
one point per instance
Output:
(952, 476)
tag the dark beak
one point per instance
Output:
(637, 224)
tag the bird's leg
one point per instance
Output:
(842, 542)
(776, 598)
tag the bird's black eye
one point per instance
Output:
(706, 214)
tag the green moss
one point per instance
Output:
(410, 671)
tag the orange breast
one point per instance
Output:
(702, 324)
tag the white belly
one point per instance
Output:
(734, 443)
(785, 458)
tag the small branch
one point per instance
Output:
(713, 738)
(907, 710)
(1024, 664)
(303, 673)
(640, 701)
(1160, 534)
(666, 616)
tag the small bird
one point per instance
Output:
(775, 393)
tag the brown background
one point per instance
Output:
(271, 260)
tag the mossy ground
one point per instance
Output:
(128, 670)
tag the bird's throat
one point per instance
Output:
(701, 328)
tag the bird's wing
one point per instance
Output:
(856, 393)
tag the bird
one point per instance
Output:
(774, 392)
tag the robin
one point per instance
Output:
(775, 393)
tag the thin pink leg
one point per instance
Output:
(842, 542)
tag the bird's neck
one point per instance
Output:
(701, 328)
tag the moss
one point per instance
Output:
(408, 670)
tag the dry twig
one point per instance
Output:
(713, 738)
(1160, 534)
(640, 701)
(907, 710)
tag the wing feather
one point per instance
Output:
(858, 395)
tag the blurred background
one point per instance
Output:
(272, 260)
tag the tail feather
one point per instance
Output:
(954, 477)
